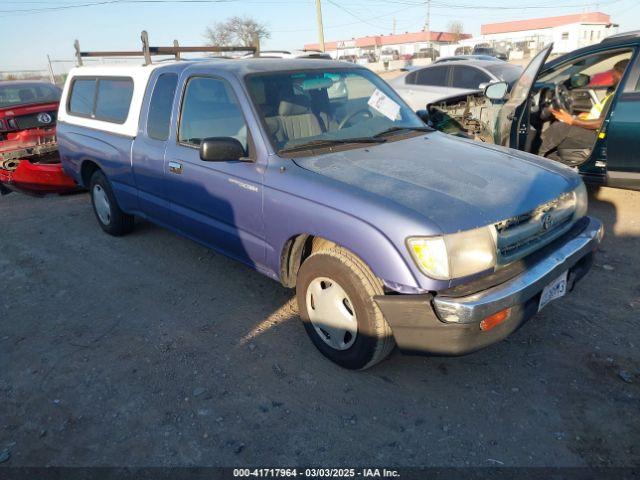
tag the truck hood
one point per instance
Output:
(455, 183)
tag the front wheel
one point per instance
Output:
(110, 217)
(335, 291)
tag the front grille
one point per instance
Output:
(23, 122)
(521, 235)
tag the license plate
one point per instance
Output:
(555, 289)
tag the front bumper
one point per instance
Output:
(450, 325)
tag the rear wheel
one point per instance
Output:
(110, 217)
(335, 291)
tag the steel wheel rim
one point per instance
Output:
(331, 313)
(101, 204)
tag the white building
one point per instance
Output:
(567, 32)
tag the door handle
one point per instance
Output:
(175, 167)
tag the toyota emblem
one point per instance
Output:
(44, 118)
(547, 221)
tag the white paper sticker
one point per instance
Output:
(383, 104)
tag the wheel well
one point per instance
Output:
(295, 251)
(87, 170)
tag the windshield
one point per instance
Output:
(324, 106)
(507, 72)
(14, 94)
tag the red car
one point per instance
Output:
(29, 159)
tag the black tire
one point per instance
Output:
(374, 339)
(116, 222)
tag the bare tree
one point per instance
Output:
(236, 31)
(455, 28)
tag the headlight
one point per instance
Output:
(456, 255)
(582, 201)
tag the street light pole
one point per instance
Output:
(320, 27)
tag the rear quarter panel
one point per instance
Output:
(111, 152)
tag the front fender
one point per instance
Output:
(352, 233)
(300, 202)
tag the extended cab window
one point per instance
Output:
(210, 109)
(160, 106)
(106, 99)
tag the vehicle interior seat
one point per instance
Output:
(573, 156)
(321, 107)
(295, 120)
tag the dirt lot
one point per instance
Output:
(151, 350)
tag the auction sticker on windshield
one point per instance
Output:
(556, 289)
(383, 104)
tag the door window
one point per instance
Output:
(210, 109)
(468, 77)
(159, 116)
(434, 76)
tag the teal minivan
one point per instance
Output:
(580, 82)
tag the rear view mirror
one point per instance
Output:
(221, 149)
(579, 80)
(496, 91)
(424, 116)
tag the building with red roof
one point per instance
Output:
(567, 32)
(406, 43)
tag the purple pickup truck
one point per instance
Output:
(317, 174)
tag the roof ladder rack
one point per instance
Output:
(147, 51)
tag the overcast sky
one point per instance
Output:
(27, 36)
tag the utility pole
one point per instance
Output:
(394, 25)
(51, 74)
(320, 27)
(427, 25)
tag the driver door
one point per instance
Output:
(622, 140)
(513, 120)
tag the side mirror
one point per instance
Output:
(221, 149)
(424, 115)
(496, 91)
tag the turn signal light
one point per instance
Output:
(495, 319)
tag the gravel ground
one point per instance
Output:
(149, 350)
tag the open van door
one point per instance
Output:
(512, 127)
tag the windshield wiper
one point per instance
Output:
(319, 143)
(390, 130)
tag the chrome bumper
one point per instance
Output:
(518, 290)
